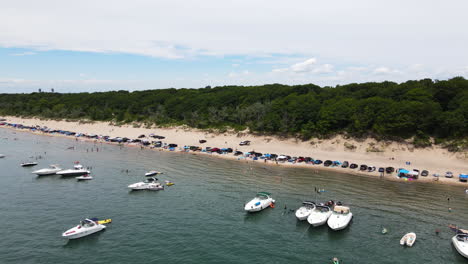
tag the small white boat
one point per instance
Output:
(84, 177)
(85, 228)
(2, 156)
(77, 170)
(53, 169)
(460, 242)
(340, 217)
(408, 239)
(304, 211)
(28, 164)
(320, 214)
(261, 201)
(152, 173)
(148, 184)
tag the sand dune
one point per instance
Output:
(369, 151)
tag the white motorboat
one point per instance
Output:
(261, 201)
(320, 214)
(148, 184)
(2, 156)
(77, 170)
(53, 169)
(408, 239)
(84, 177)
(460, 242)
(28, 164)
(152, 173)
(340, 217)
(304, 211)
(85, 228)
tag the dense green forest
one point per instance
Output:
(423, 108)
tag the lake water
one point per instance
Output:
(201, 219)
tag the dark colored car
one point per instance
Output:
(363, 167)
(345, 164)
(202, 141)
(353, 166)
(327, 163)
(424, 173)
(318, 162)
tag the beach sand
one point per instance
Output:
(369, 151)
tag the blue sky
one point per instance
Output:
(134, 45)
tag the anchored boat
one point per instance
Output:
(408, 239)
(53, 169)
(85, 228)
(304, 211)
(340, 218)
(261, 201)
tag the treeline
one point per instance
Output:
(423, 109)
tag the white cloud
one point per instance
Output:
(385, 70)
(364, 31)
(308, 66)
(26, 53)
(305, 66)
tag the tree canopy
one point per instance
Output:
(414, 108)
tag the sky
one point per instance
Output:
(88, 45)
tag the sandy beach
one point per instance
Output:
(369, 151)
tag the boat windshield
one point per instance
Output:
(87, 223)
(323, 209)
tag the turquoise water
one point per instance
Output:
(201, 219)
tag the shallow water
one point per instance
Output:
(201, 219)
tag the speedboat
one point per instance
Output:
(340, 217)
(85, 228)
(408, 239)
(320, 214)
(28, 164)
(304, 211)
(53, 169)
(152, 173)
(148, 184)
(460, 242)
(2, 156)
(84, 177)
(77, 170)
(261, 201)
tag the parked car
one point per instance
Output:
(245, 143)
(202, 141)
(449, 174)
(424, 173)
(345, 164)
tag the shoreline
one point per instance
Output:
(326, 149)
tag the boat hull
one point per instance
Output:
(75, 233)
(408, 239)
(70, 173)
(461, 247)
(318, 218)
(303, 213)
(339, 221)
(257, 205)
